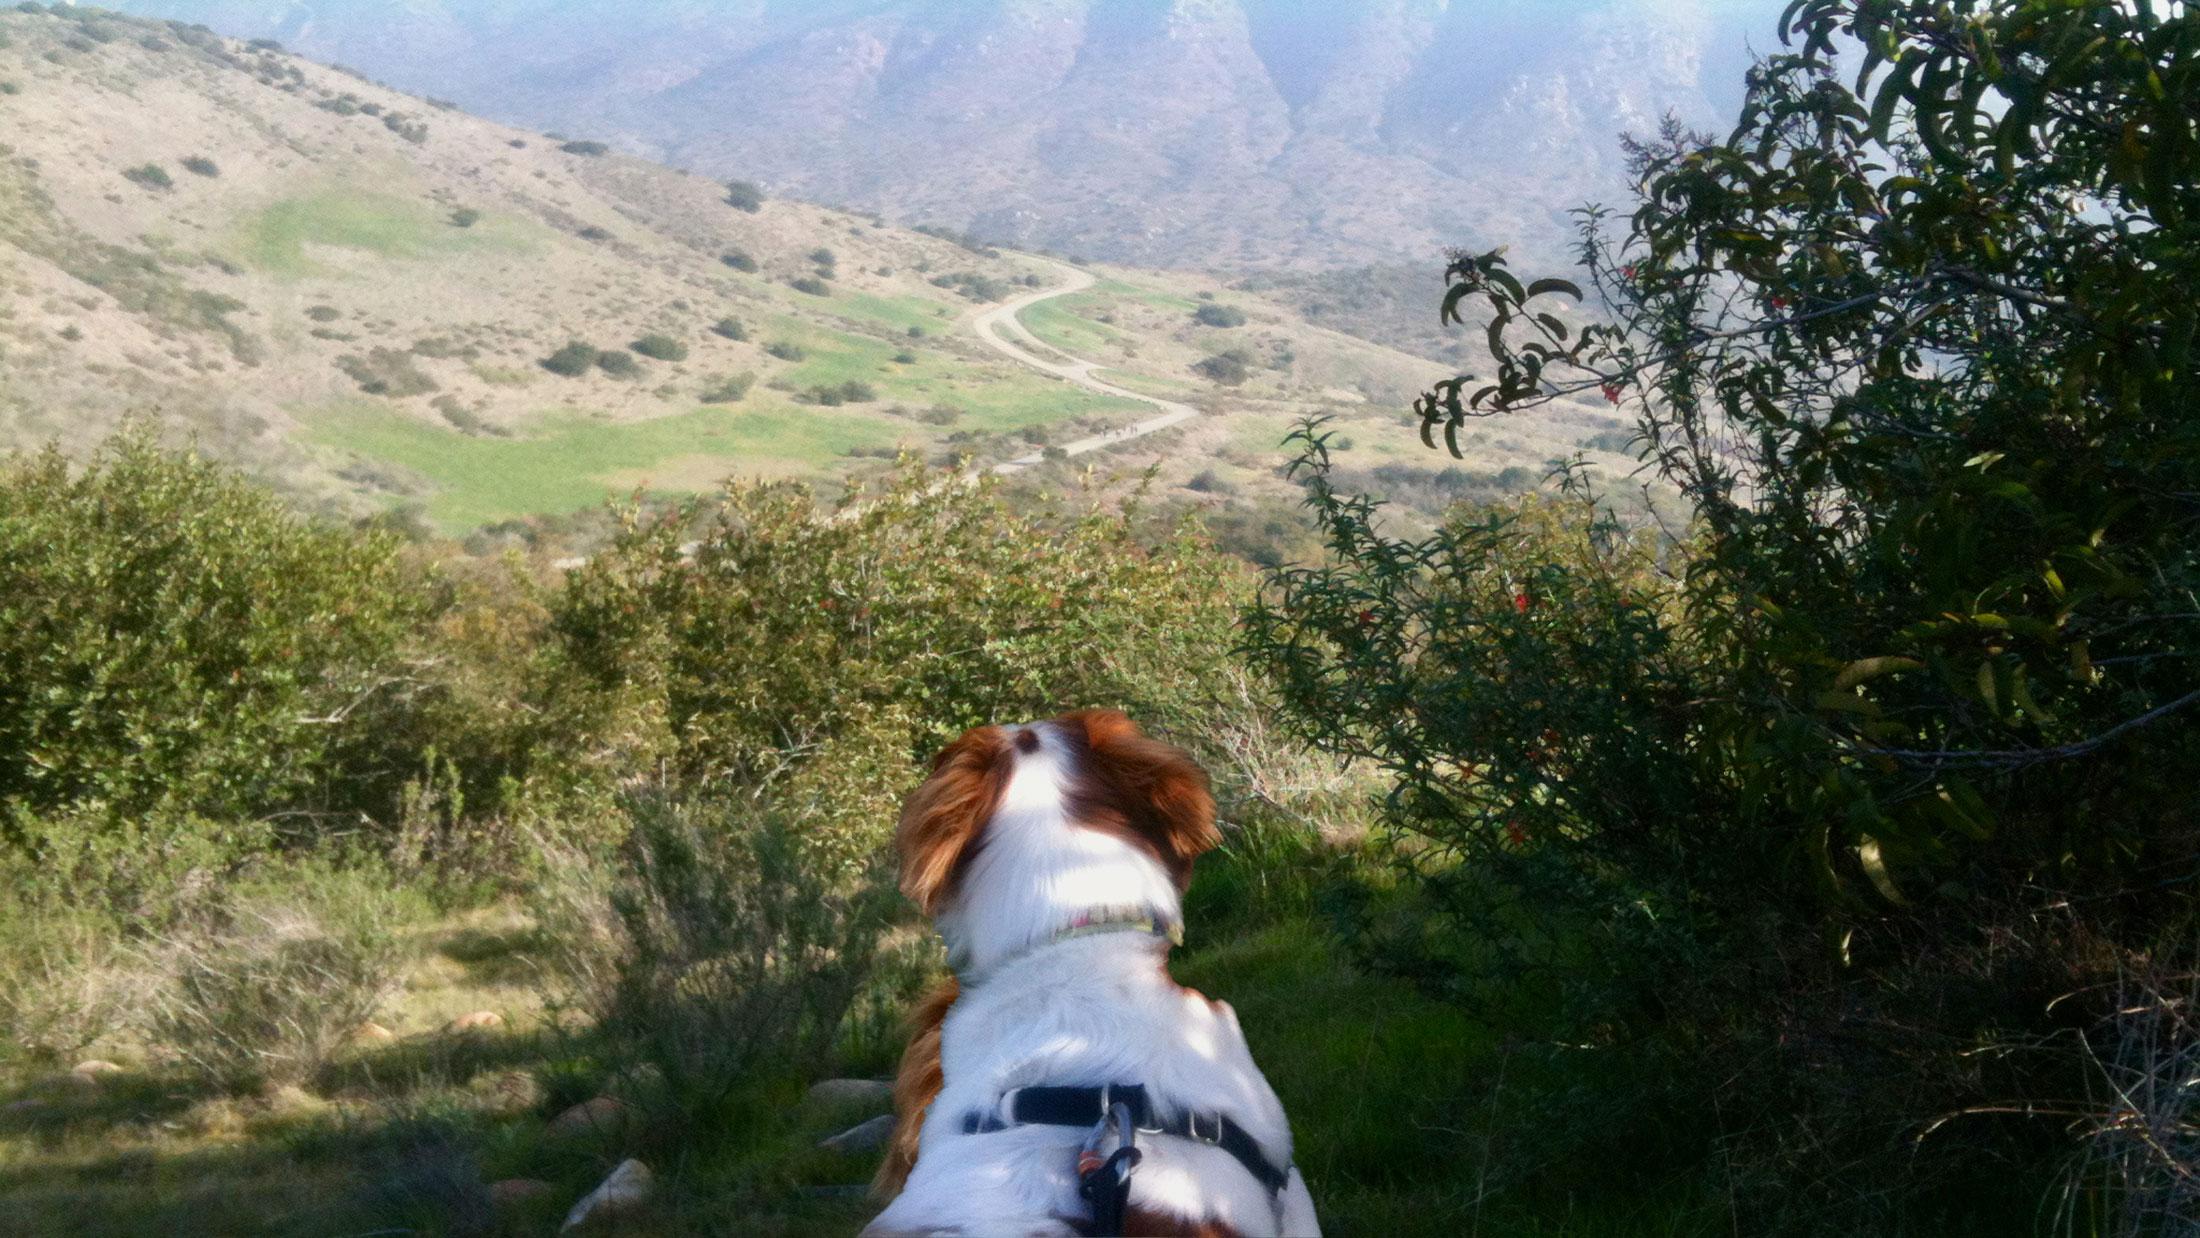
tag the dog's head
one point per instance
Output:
(1091, 783)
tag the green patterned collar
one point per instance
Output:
(1090, 922)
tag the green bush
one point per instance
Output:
(386, 372)
(1859, 792)
(823, 257)
(174, 641)
(617, 363)
(265, 989)
(728, 390)
(1229, 369)
(922, 609)
(744, 196)
(811, 285)
(573, 360)
(661, 347)
(787, 350)
(729, 328)
(851, 392)
(200, 165)
(585, 148)
(723, 946)
(739, 260)
(1210, 314)
(465, 217)
(150, 176)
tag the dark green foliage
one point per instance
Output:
(823, 257)
(744, 196)
(729, 390)
(413, 131)
(729, 328)
(853, 391)
(594, 233)
(739, 260)
(974, 286)
(905, 357)
(811, 285)
(324, 313)
(585, 148)
(573, 360)
(660, 347)
(967, 240)
(173, 641)
(1872, 789)
(264, 45)
(787, 350)
(1230, 368)
(149, 175)
(1210, 314)
(386, 372)
(465, 217)
(200, 165)
(618, 364)
(10, 88)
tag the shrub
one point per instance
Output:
(618, 364)
(744, 196)
(584, 148)
(823, 257)
(974, 286)
(728, 940)
(465, 217)
(660, 347)
(729, 328)
(811, 285)
(905, 357)
(269, 990)
(1213, 315)
(324, 313)
(787, 350)
(1228, 369)
(150, 176)
(594, 233)
(386, 372)
(873, 617)
(850, 392)
(200, 165)
(264, 45)
(728, 390)
(10, 88)
(173, 640)
(739, 260)
(573, 360)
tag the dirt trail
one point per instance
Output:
(999, 329)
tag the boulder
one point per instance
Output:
(477, 1021)
(595, 1117)
(862, 1137)
(512, 1193)
(373, 1033)
(869, 1094)
(94, 1068)
(625, 1192)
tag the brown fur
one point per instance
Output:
(943, 820)
(1153, 794)
(915, 1087)
(1145, 1223)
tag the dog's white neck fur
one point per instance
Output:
(1038, 873)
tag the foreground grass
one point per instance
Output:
(1387, 1088)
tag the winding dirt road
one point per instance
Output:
(1000, 330)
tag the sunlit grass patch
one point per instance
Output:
(569, 460)
(276, 239)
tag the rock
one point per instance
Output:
(851, 1093)
(517, 1192)
(601, 1115)
(508, 1091)
(289, 1098)
(626, 1192)
(93, 1068)
(477, 1021)
(862, 1137)
(373, 1033)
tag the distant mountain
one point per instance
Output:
(1205, 133)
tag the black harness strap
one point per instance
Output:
(1085, 1107)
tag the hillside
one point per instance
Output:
(355, 292)
(1186, 133)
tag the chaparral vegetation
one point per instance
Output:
(1806, 850)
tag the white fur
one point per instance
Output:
(1081, 1012)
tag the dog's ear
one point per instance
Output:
(1159, 787)
(941, 820)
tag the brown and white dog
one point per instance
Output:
(1052, 858)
